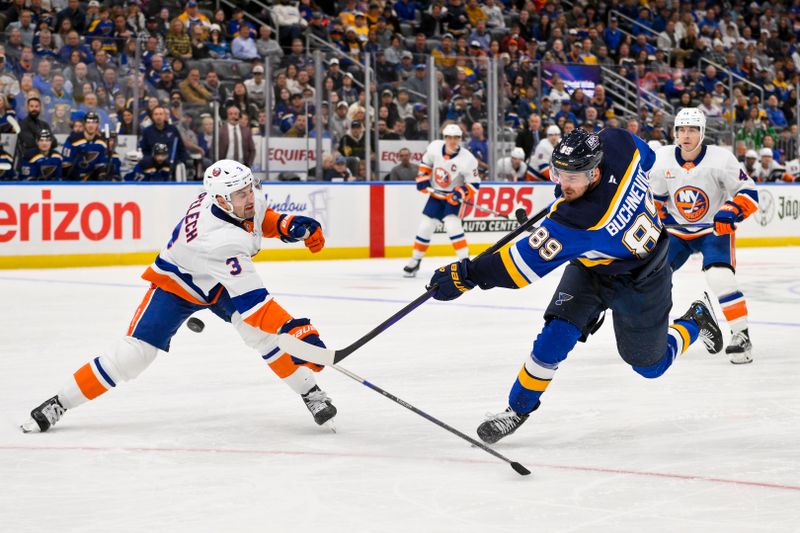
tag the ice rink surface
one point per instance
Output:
(207, 439)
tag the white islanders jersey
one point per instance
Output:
(693, 191)
(540, 160)
(210, 251)
(507, 172)
(445, 172)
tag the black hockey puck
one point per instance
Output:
(195, 324)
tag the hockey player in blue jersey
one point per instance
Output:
(86, 153)
(606, 226)
(152, 168)
(42, 163)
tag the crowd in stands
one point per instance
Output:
(157, 68)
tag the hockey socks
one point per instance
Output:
(680, 335)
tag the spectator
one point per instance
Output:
(199, 48)
(406, 10)
(163, 132)
(178, 42)
(236, 142)
(25, 26)
(267, 47)
(244, 47)
(405, 170)
(774, 113)
(216, 91)
(241, 100)
(192, 17)
(31, 125)
(75, 14)
(218, 47)
(339, 172)
(478, 147)
(205, 139)
(494, 15)
(192, 90)
(353, 143)
(708, 107)
(257, 86)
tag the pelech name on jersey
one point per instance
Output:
(190, 220)
(638, 191)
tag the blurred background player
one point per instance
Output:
(695, 183)
(449, 174)
(42, 163)
(113, 170)
(540, 160)
(85, 153)
(154, 167)
(208, 264)
(605, 225)
(7, 172)
(514, 168)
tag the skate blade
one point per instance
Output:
(742, 361)
(409, 275)
(330, 425)
(29, 426)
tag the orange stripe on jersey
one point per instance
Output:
(166, 283)
(737, 310)
(424, 169)
(733, 250)
(269, 317)
(269, 226)
(422, 177)
(284, 367)
(88, 383)
(140, 310)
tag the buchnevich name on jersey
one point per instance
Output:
(639, 190)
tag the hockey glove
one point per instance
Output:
(451, 281)
(726, 218)
(302, 329)
(423, 182)
(293, 228)
(456, 197)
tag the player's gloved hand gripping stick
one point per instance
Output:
(328, 356)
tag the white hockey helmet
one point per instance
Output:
(452, 130)
(765, 152)
(518, 153)
(690, 116)
(553, 130)
(225, 177)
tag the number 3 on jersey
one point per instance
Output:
(236, 268)
(548, 246)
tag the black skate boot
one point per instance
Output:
(703, 315)
(410, 270)
(44, 416)
(740, 348)
(321, 407)
(495, 427)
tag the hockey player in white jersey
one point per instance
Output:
(514, 167)
(695, 183)
(540, 160)
(449, 174)
(207, 264)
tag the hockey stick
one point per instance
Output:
(519, 213)
(327, 356)
(518, 468)
(691, 225)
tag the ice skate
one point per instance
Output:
(495, 427)
(44, 417)
(320, 406)
(411, 269)
(740, 348)
(702, 313)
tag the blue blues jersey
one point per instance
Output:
(84, 158)
(7, 160)
(148, 169)
(41, 166)
(611, 229)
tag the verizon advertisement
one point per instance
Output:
(131, 218)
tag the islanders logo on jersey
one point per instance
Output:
(442, 178)
(692, 203)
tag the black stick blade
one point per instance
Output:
(519, 469)
(521, 215)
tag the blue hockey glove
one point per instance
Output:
(726, 218)
(451, 281)
(456, 197)
(293, 228)
(302, 329)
